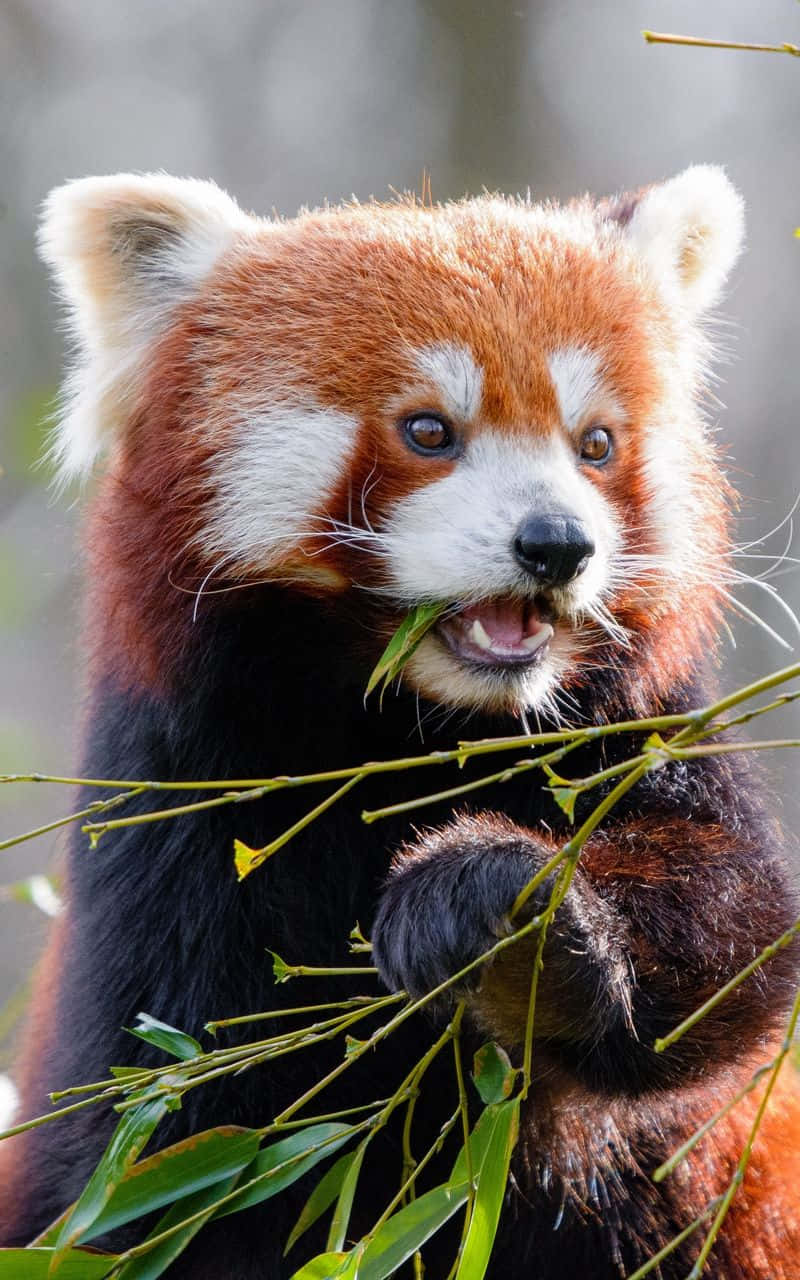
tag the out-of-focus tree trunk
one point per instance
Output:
(487, 44)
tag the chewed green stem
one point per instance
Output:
(237, 791)
(783, 701)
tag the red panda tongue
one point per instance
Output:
(502, 632)
(504, 621)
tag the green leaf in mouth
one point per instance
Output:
(403, 643)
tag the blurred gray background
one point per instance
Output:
(290, 102)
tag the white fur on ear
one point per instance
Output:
(689, 232)
(125, 251)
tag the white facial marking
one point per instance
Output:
(577, 377)
(453, 539)
(458, 379)
(279, 470)
(672, 506)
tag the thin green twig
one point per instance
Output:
(97, 806)
(659, 37)
(217, 1024)
(657, 1258)
(689, 1145)
(774, 947)
(463, 1106)
(741, 1167)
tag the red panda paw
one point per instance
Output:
(448, 901)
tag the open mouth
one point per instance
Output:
(499, 633)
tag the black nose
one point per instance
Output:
(553, 548)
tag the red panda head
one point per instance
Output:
(488, 404)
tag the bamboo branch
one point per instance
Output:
(660, 37)
(741, 1167)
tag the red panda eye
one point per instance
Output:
(427, 434)
(596, 445)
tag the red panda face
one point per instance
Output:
(488, 405)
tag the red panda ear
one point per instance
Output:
(688, 232)
(125, 251)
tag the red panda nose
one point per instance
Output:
(554, 549)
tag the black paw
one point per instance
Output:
(448, 901)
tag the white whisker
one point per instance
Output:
(729, 632)
(755, 619)
(779, 601)
(757, 542)
(600, 614)
(225, 560)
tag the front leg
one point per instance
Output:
(448, 900)
(660, 913)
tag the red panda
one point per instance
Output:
(310, 427)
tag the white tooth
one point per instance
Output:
(532, 643)
(479, 636)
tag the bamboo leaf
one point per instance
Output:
(47, 1239)
(400, 1237)
(165, 1037)
(357, 940)
(321, 1198)
(478, 1143)
(344, 1205)
(493, 1073)
(490, 1192)
(279, 1165)
(35, 1264)
(565, 798)
(245, 859)
(326, 1266)
(403, 643)
(154, 1263)
(174, 1172)
(130, 1136)
(281, 971)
